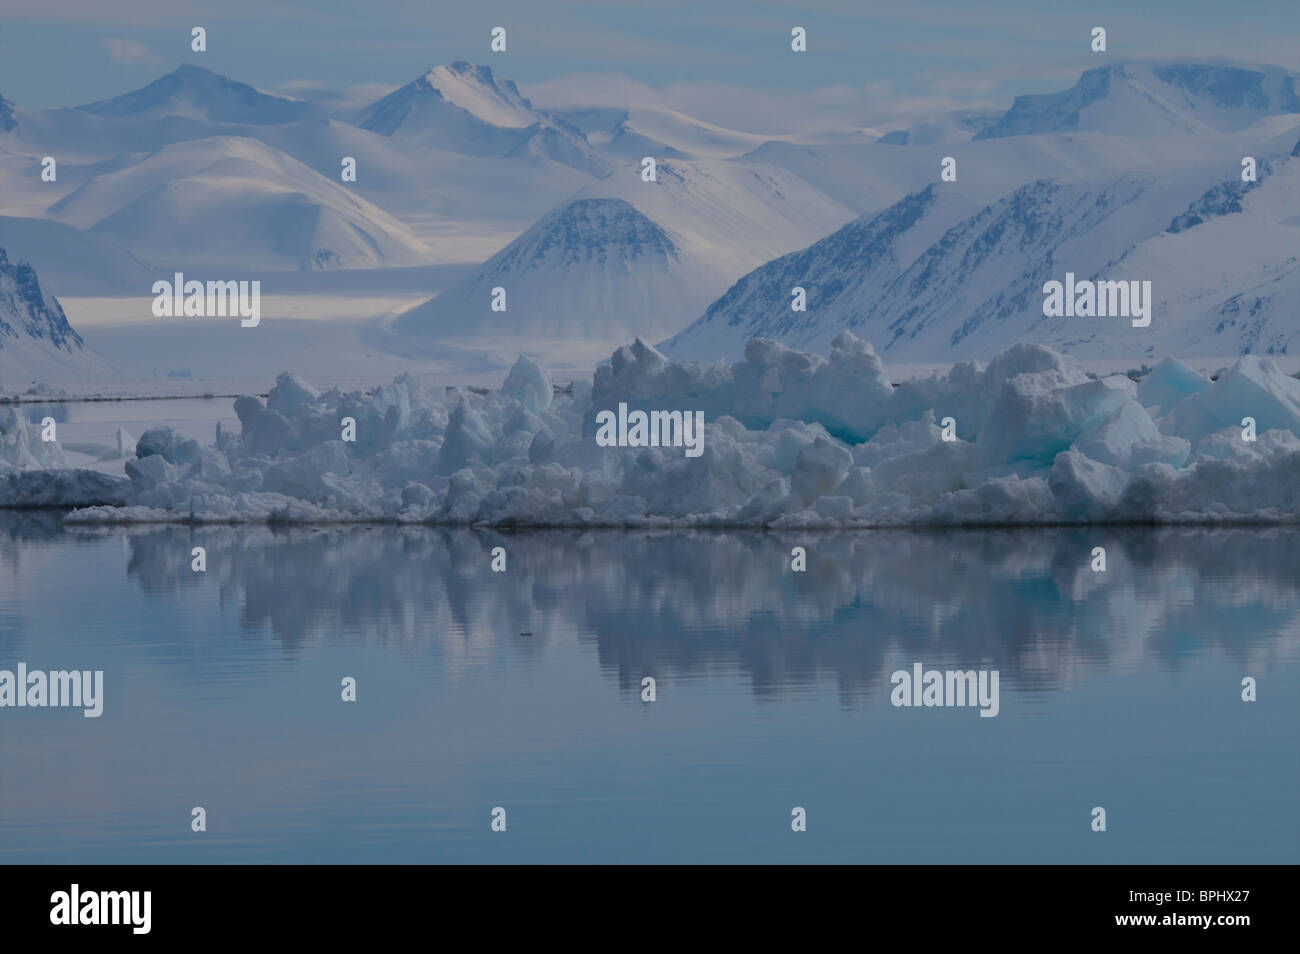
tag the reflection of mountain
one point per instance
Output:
(684, 606)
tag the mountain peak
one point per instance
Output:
(195, 92)
(594, 268)
(461, 107)
(463, 67)
(474, 89)
(1147, 99)
(586, 229)
(194, 70)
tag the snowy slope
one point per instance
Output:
(864, 254)
(1151, 100)
(36, 342)
(948, 128)
(1229, 268)
(666, 133)
(610, 130)
(465, 207)
(727, 214)
(71, 261)
(976, 287)
(196, 93)
(74, 135)
(659, 132)
(869, 177)
(188, 103)
(591, 268)
(630, 257)
(236, 201)
(690, 135)
(463, 108)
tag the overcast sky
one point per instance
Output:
(727, 61)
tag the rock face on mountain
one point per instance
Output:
(928, 282)
(36, 341)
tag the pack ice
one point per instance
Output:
(791, 440)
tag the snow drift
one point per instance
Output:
(792, 440)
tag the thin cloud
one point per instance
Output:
(127, 50)
(340, 101)
(746, 109)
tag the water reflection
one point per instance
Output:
(222, 689)
(676, 604)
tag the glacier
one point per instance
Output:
(793, 440)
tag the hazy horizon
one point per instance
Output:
(864, 66)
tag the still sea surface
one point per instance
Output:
(1120, 690)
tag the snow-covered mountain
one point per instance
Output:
(236, 201)
(463, 108)
(196, 93)
(71, 261)
(630, 257)
(1229, 267)
(728, 215)
(1133, 168)
(610, 130)
(1087, 196)
(36, 342)
(954, 126)
(593, 268)
(1149, 100)
(660, 132)
(465, 208)
(926, 288)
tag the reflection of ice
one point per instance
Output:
(20, 531)
(685, 604)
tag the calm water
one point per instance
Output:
(1120, 690)
(99, 420)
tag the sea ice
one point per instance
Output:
(791, 440)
